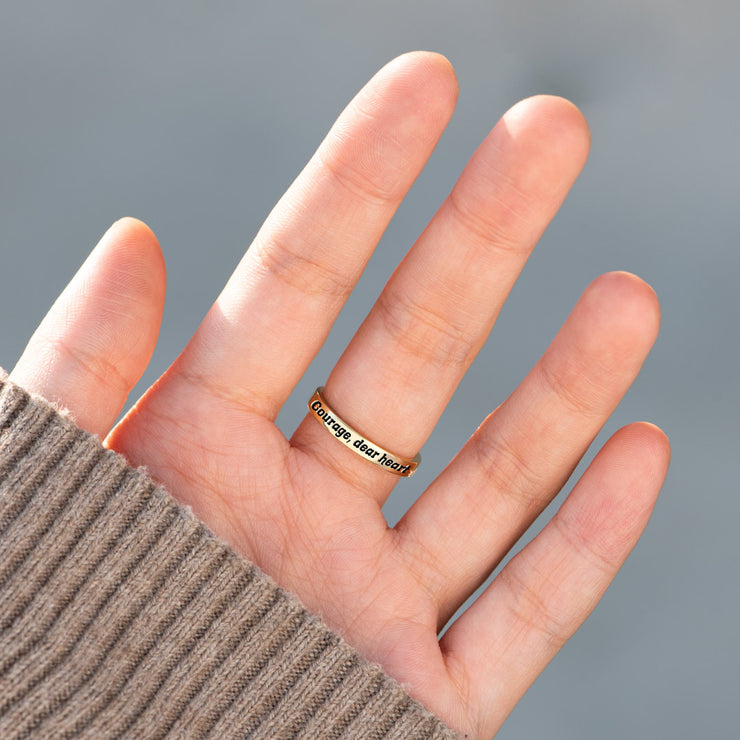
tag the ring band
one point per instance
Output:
(356, 442)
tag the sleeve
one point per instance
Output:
(123, 616)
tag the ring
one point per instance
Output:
(357, 442)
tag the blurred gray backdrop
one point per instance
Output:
(196, 116)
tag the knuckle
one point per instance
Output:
(498, 231)
(310, 277)
(600, 555)
(530, 608)
(568, 382)
(507, 470)
(423, 332)
(373, 185)
(94, 365)
(232, 399)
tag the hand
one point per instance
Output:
(308, 510)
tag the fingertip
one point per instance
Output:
(632, 466)
(426, 62)
(131, 278)
(383, 138)
(555, 119)
(437, 65)
(626, 309)
(129, 259)
(553, 109)
(566, 111)
(612, 503)
(645, 441)
(132, 224)
(136, 240)
(427, 76)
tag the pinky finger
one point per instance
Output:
(542, 596)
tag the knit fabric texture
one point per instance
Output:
(123, 616)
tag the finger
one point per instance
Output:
(402, 366)
(504, 641)
(276, 310)
(522, 455)
(97, 338)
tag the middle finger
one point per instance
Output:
(399, 371)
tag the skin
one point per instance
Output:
(307, 510)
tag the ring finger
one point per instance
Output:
(523, 453)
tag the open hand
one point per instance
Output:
(308, 510)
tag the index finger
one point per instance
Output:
(279, 305)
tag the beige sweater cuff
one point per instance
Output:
(123, 616)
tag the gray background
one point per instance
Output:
(196, 116)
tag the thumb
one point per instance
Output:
(96, 341)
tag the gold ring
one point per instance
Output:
(357, 442)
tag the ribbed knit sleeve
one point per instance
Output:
(121, 616)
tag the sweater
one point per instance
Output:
(121, 615)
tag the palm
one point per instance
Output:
(317, 535)
(307, 510)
